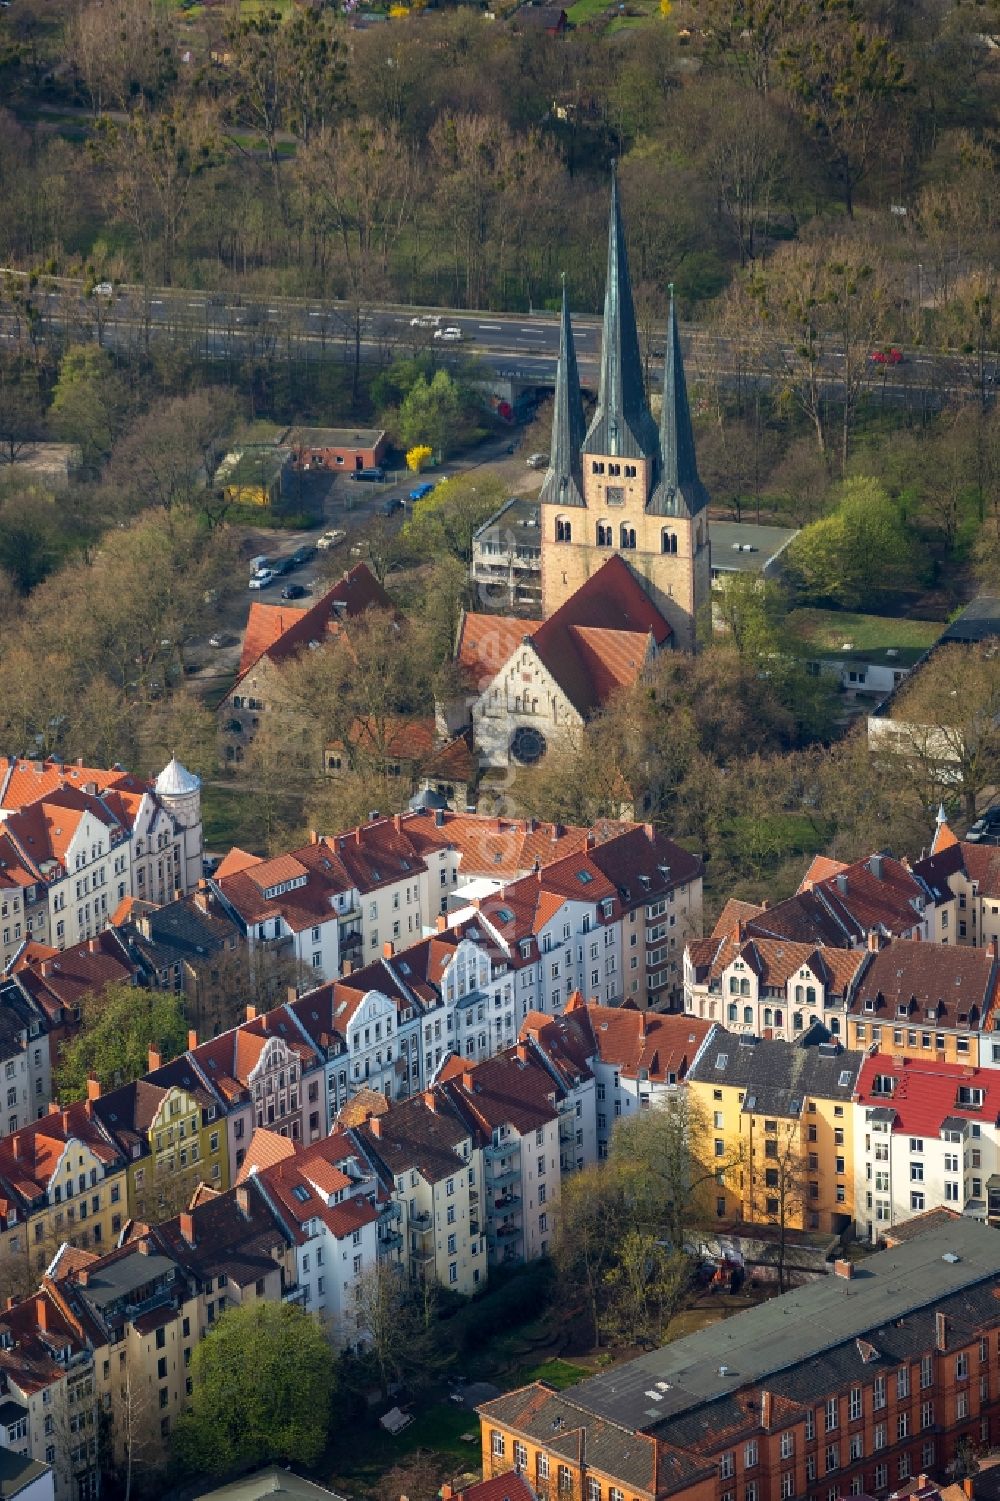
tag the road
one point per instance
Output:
(523, 348)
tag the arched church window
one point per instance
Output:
(564, 529)
(668, 542)
(605, 536)
(628, 536)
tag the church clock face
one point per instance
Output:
(527, 745)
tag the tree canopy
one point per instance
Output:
(118, 1027)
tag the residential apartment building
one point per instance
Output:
(928, 1000)
(839, 906)
(337, 1218)
(194, 948)
(77, 841)
(927, 1134)
(49, 1408)
(848, 1386)
(138, 1315)
(770, 987)
(782, 1124)
(511, 1101)
(25, 1065)
(168, 1129)
(62, 1180)
(427, 1156)
(963, 881)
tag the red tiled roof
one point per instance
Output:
(266, 1148)
(57, 979)
(635, 1040)
(926, 1092)
(277, 633)
(575, 643)
(512, 1088)
(486, 642)
(959, 985)
(509, 1487)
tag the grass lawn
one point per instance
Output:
(558, 1373)
(233, 815)
(828, 630)
(362, 1454)
(586, 10)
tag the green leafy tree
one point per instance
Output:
(443, 523)
(432, 413)
(859, 554)
(119, 1026)
(91, 404)
(263, 1388)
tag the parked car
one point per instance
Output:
(218, 640)
(372, 476)
(392, 505)
(263, 578)
(426, 320)
(103, 289)
(887, 356)
(448, 335)
(303, 555)
(258, 564)
(537, 461)
(419, 491)
(331, 539)
(282, 566)
(294, 591)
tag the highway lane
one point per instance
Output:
(223, 328)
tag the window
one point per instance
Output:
(564, 529)
(727, 1465)
(832, 1414)
(520, 1455)
(903, 1381)
(878, 1437)
(831, 1458)
(498, 1444)
(810, 1424)
(878, 1392)
(927, 1414)
(855, 1400)
(926, 1371)
(962, 1405)
(668, 541)
(961, 1367)
(750, 1454)
(543, 1467)
(902, 1424)
(565, 1477)
(857, 1446)
(787, 1445)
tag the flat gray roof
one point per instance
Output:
(765, 541)
(333, 437)
(797, 1327)
(978, 621)
(520, 511)
(270, 1482)
(108, 1283)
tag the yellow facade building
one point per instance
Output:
(780, 1124)
(170, 1131)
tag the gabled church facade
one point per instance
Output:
(625, 485)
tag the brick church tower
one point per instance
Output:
(625, 486)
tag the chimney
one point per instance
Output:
(841, 880)
(201, 901)
(874, 942)
(765, 1410)
(388, 949)
(430, 1100)
(441, 923)
(375, 1125)
(243, 1200)
(439, 818)
(313, 836)
(843, 1269)
(591, 839)
(875, 866)
(186, 1220)
(521, 1052)
(46, 966)
(93, 945)
(445, 1492)
(557, 832)
(993, 949)
(93, 1087)
(347, 968)
(15, 1144)
(42, 1312)
(940, 1332)
(192, 1038)
(251, 1013)
(65, 1122)
(967, 1486)
(467, 1080)
(397, 823)
(83, 1276)
(155, 1059)
(202, 884)
(53, 1108)
(291, 994)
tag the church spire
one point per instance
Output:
(679, 490)
(563, 484)
(622, 425)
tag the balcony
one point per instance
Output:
(567, 1129)
(508, 1201)
(422, 1222)
(294, 1294)
(505, 1175)
(506, 1231)
(390, 1242)
(501, 1149)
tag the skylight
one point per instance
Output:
(301, 1193)
(584, 876)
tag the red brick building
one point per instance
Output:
(849, 1386)
(333, 448)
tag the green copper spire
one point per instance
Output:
(563, 484)
(678, 490)
(622, 425)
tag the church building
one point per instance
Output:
(625, 486)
